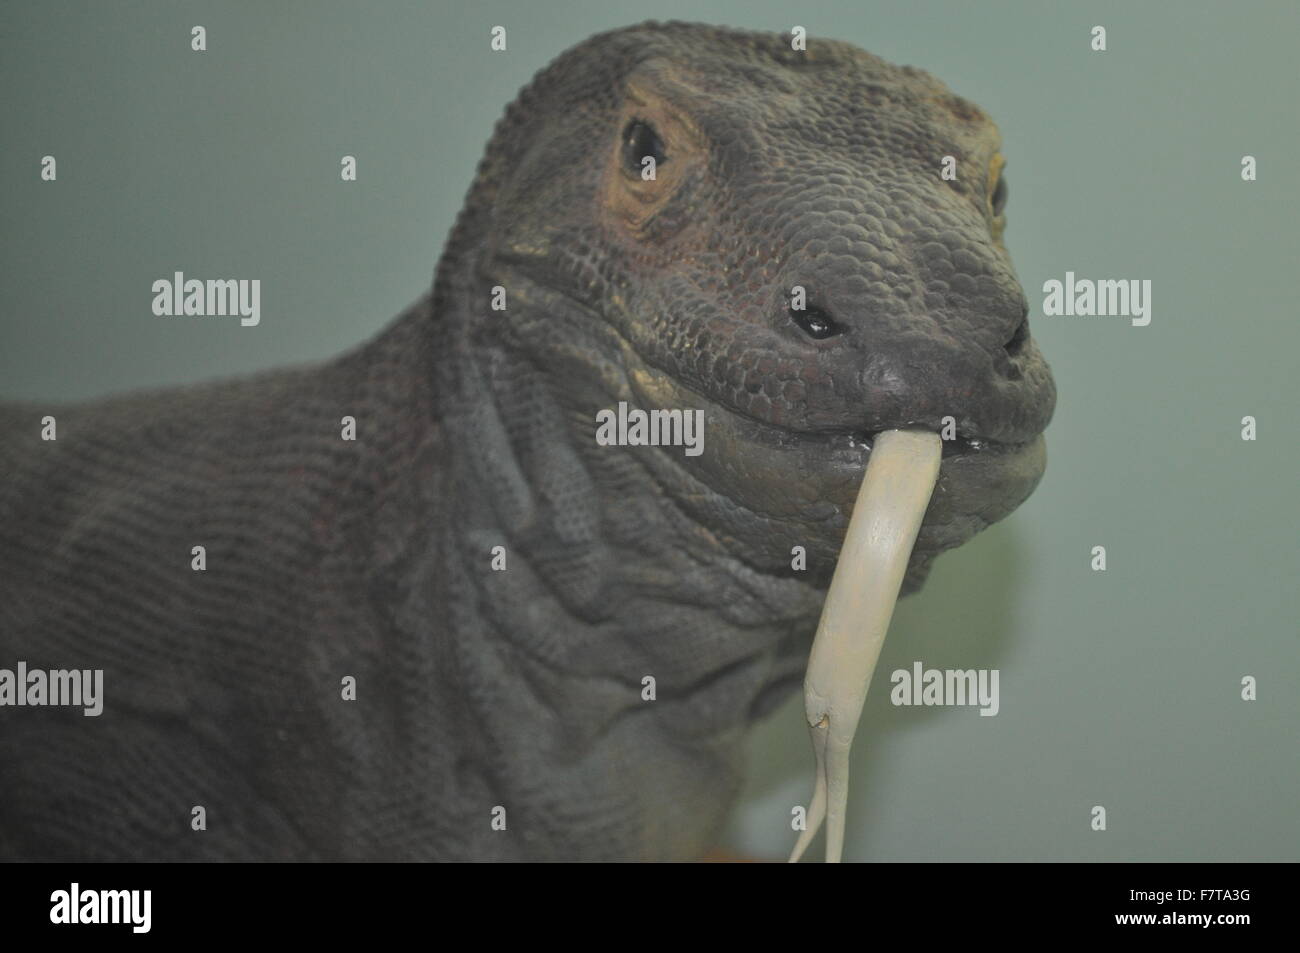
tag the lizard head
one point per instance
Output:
(689, 217)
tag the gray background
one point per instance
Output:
(1118, 688)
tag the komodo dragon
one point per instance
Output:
(513, 699)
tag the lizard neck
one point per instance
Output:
(539, 669)
(608, 576)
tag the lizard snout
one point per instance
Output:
(982, 370)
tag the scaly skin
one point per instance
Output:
(476, 428)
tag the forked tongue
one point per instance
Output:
(901, 472)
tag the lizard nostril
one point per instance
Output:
(1018, 338)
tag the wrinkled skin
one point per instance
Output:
(523, 688)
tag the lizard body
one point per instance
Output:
(370, 558)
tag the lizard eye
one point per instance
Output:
(999, 199)
(641, 140)
(816, 324)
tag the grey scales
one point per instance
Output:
(519, 692)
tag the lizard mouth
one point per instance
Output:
(761, 488)
(955, 447)
(788, 488)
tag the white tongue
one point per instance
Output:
(901, 472)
